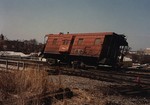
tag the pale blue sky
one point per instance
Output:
(26, 19)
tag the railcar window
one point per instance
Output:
(97, 41)
(54, 42)
(65, 42)
(80, 41)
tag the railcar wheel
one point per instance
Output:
(82, 65)
(75, 64)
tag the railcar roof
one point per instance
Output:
(96, 33)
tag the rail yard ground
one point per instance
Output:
(86, 91)
(93, 92)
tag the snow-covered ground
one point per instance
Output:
(12, 53)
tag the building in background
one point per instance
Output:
(147, 51)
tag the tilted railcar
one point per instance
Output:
(105, 48)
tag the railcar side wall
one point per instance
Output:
(53, 43)
(87, 45)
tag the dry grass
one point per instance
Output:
(17, 86)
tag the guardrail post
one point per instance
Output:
(6, 64)
(17, 65)
(23, 64)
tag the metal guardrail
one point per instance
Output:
(20, 58)
(18, 65)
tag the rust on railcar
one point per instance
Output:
(89, 44)
(53, 43)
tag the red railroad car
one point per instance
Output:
(87, 48)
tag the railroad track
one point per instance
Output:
(109, 76)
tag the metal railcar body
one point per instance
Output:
(105, 48)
